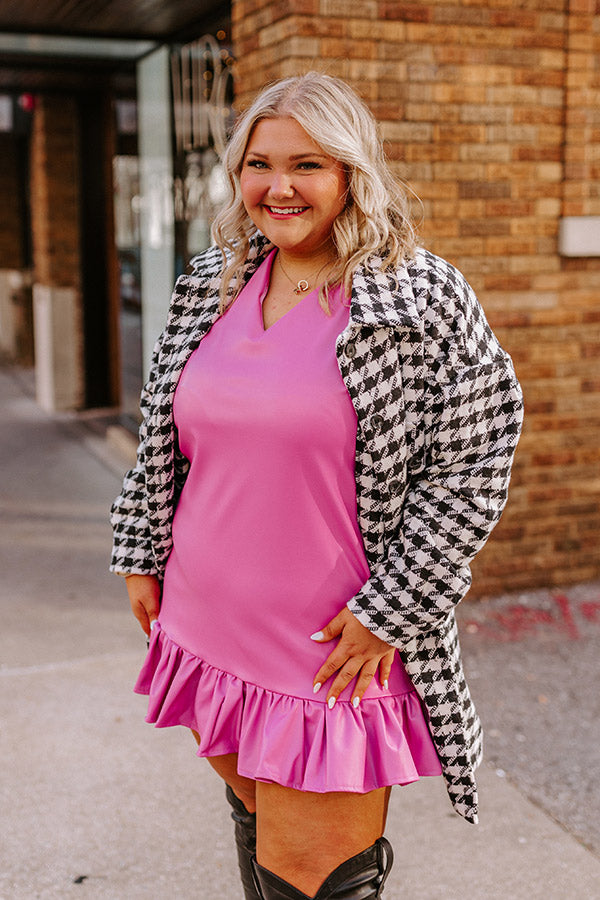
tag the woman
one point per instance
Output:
(328, 431)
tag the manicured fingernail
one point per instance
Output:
(386, 685)
(317, 636)
(331, 702)
(317, 687)
(355, 702)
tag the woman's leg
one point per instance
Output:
(302, 837)
(226, 766)
(240, 795)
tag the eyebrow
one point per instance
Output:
(294, 157)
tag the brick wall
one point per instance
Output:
(491, 110)
(55, 231)
(55, 192)
(582, 111)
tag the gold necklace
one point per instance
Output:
(302, 286)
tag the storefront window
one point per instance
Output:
(203, 115)
(185, 114)
(126, 181)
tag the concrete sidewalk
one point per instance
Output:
(94, 803)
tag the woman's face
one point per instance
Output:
(292, 190)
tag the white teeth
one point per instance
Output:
(288, 210)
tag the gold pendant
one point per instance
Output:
(302, 287)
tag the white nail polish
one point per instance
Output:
(386, 685)
(317, 687)
(355, 702)
(331, 702)
(317, 636)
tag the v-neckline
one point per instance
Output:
(263, 293)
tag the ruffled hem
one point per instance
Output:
(292, 741)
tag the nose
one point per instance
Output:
(281, 186)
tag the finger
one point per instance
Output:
(146, 611)
(363, 680)
(336, 659)
(344, 677)
(333, 628)
(385, 668)
(152, 620)
(144, 597)
(141, 615)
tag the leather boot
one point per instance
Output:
(245, 841)
(360, 878)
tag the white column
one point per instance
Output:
(156, 189)
(58, 348)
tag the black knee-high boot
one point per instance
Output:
(360, 878)
(245, 841)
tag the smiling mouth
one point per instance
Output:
(286, 210)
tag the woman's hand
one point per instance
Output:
(144, 596)
(358, 654)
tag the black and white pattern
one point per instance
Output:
(439, 415)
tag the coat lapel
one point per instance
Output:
(383, 298)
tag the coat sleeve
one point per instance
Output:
(132, 544)
(473, 416)
(132, 547)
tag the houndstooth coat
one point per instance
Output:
(439, 414)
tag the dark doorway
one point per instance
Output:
(99, 276)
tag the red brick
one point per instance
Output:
(405, 12)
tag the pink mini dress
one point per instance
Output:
(266, 550)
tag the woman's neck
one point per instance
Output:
(306, 266)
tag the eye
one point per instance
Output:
(309, 165)
(256, 164)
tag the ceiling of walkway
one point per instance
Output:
(58, 45)
(141, 19)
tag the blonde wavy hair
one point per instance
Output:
(376, 220)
